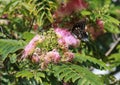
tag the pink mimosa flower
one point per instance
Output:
(62, 32)
(52, 56)
(56, 56)
(35, 58)
(71, 40)
(63, 43)
(35, 27)
(70, 7)
(69, 56)
(100, 23)
(65, 38)
(32, 45)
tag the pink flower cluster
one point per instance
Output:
(68, 56)
(65, 38)
(45, 58)
(32, 45)
(70, 6)
(52, 56)
(96, 31)
(100, 23)
(37, 55)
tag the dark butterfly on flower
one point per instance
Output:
(78, 31)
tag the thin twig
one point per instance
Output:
(112, 47)
(31, 24)
(1, 30)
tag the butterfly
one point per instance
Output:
(79, 32)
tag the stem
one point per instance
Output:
(31, 24)
(112, 47)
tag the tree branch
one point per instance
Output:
(112, 47)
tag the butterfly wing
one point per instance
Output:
(78, 31)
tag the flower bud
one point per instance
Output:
(100, 23)
(68, 56)
(35, 58)
(52, 56)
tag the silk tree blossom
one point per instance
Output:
(37, 55)
(52, 56)
(43, 65)
(62, 43)
(72, 41)
(100, 23)
(35, 27)
(4, 16)
(35, 58)
(70, 7)
(68, 56)
(32, 45)
(65, 38)
(62, 32)
(96, 31)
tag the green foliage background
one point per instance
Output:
(18, 29)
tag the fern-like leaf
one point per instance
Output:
(115, 59)
(76, 73)
(9, 46)
(25, 73)
(84, 58)
(31, 74)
